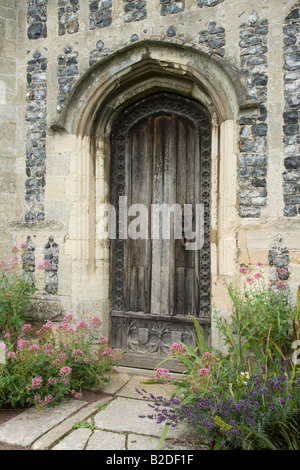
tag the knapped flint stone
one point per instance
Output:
(208, 3)
(37, 31)
(293, 15)
(258, 172)
(260, 129)
(291, 176)
(292, 61)
(253, 17)
(292, 163)
(290, 117)
(171, 32)
(291, 129)
(292, 199)
(279, 260)
(255, 160)
(249, 212)
(100, 45)
(290, 211)
(259, 182)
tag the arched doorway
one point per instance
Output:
(160, 281)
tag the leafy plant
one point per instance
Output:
(16, 291)
(42, 371)
(249, 397)
(261, 322)
(85, 424)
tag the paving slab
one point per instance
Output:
(129, 389)
(47, 440)
(103, 440)
(75, 441)
(123, 415)
(116, 384)
(25, 428)
(135, 442)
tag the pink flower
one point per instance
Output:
(48, 399)
(177, 349)
(77, 395)
(65, 327)
(249, 280)
(259, 264)
(11, 354)
(23, 245)
(161, 374)
(69, 317)
(282, 271)
(243, 269)
(107, 352)
(203, 371)
(36, 382)
(257, 275)
(82, 325)
(96, 322)
(52, 380)
(47, 326)
(7, 335)
(25, 327)
(14, 249)
(192, 388)
(65, 371)
(77, 354)
(281, 285)
(15, 258)
(22, 343)
(103, 339)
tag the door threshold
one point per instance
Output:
(134, 371)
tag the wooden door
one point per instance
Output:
(160, 161)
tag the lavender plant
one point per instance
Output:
(265, 416)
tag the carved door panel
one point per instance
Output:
(160, 156)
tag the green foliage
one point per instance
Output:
(261, 324)
(85, 424)
(16, 292)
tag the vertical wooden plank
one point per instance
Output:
(173, 200)
(181, 182)
(139, 194)
(140, 289)
(179, 291)
(132, 288)
(166, 138)
(149, 188)
(156, 199)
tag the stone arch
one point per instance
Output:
(141, 69)
(97, 99)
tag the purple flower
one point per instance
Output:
(223, 443)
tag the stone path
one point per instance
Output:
(113, 423)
